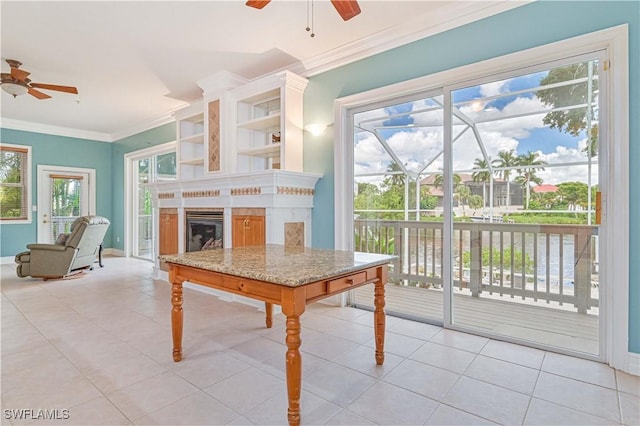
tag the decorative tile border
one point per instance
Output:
(289, 190)
(200, 194)
(164, 195)
(256, 190)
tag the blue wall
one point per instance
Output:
(58, 151)
(528, 26)
(149, 138)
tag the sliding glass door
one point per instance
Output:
(526, 180)
(147, 168)
(398, 150)
(488, 194)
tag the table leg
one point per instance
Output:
(176, 320)
(294, 369)
(379, 320)
(268, 308)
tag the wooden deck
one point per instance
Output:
(539, 323)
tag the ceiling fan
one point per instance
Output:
(346, 8)
(16, 83)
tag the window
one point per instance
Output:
(15, 172)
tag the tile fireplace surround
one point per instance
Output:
(285, 196)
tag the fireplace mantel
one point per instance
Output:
(266, 189)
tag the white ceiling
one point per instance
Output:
(135, 62)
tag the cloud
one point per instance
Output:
(494, 88)
(418, 146)
(567, 172)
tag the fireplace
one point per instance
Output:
(204, 230)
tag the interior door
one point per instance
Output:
(64, 194)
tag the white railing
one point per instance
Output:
(61, 225)
(552, 263)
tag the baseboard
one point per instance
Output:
(7, 260)
(113, 252)
(633, 363)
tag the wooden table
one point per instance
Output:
(291, 277)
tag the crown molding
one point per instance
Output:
(27, 126)
(163, 119)
(454, 14)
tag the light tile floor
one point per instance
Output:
(99, 346)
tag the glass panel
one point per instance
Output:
(525, 246)
(397, 149)
(65, 204)
(12, 201)
(147, 170)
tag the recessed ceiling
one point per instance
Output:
(136, 62)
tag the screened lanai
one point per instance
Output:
(512, 164)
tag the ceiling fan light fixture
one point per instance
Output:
(15, 89)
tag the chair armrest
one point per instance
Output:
(49, 247)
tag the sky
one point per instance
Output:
(505, 121)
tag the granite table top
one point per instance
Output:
(290, 266)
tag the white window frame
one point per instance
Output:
(614, 41)
(27, 186)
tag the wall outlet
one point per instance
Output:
(117, 239)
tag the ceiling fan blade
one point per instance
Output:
(346, 8)
(66, 89)
(258, 4)
(19, 74)
(38, 94)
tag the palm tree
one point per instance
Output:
(395, 179)
(528, 173)
(438, 182)
(506, 159)
(483, 175)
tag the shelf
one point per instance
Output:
(267, 151)
(262, 97)
(195, 139)
(193, 162)
(262, 123)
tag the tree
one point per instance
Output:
(395, 179)
(506, 159)
(438, 182)
(462, 194)
(571, 121)
(11, 190)
(367, 198)
(476, 201)
(528, 173)
(427, 201)
(574, 194)
(483, 175)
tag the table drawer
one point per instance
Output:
(346, 282)
(252, 288)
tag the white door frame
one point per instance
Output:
(615, 217)
(44, 195)
(129, 202)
